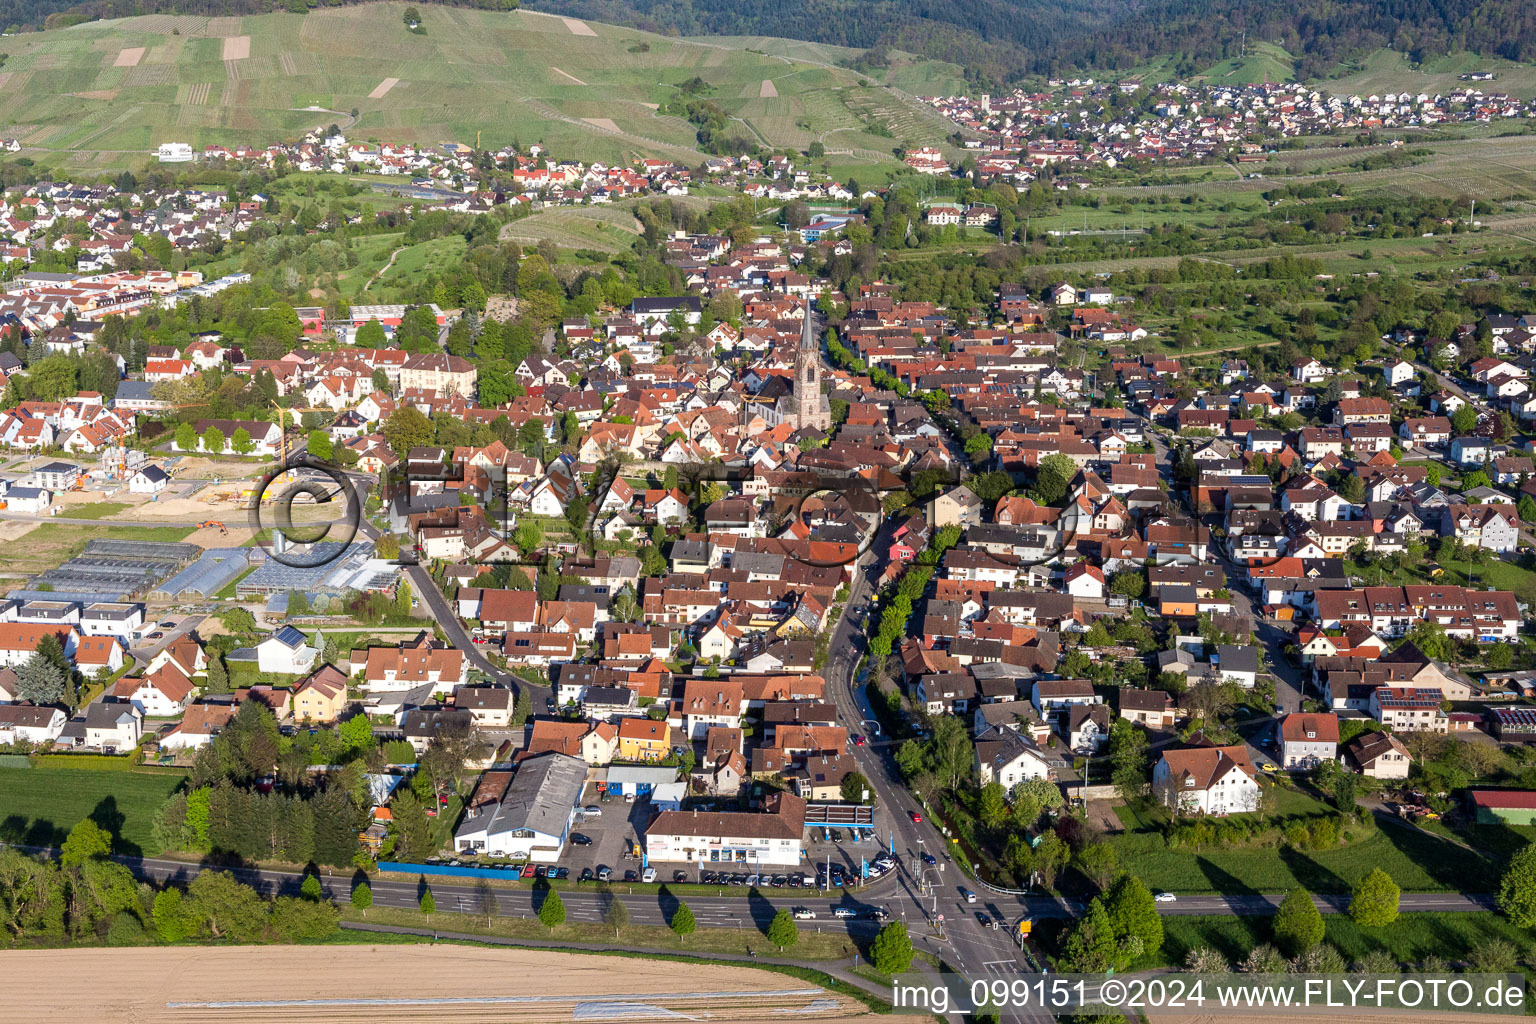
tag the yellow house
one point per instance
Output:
(641, 739)
(322, 697)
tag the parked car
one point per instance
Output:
(604, 872)
(528, 870)
(592, 809)
(561, 872)
(586, 875)
(631, 875)
(679, 876)
(581, 839)
(648, 875)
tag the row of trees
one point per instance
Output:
(85, 896)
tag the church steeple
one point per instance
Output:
(813, 410)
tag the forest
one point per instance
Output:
(1000, 40)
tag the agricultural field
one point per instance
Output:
(1390, 71)
(104, 94)
(38, 806)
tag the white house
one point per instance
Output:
(774, 836)
(113, 726)
(1399, 372)
(533, 818)
(29, 500)
(1207, 780)
(25, 723)
(1084, 580)
(285, 651)
(1308, 740)
(164, 693)
(1007, 757)
(149, 480)
(19, 640)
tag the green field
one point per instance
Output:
(586, 91)
(38, 806)
(1410, 938)
(1265, 62)
(1416, 860)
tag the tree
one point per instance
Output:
(320, 446)
(552, 910)
(169, 916)
(992, 805)
(1374, 903)
(854, 788)
(1052, 478)
(218, 675)
(362, 896)
(1205, 960)
(86, 841)
(1263, 959)
(1517, 889)
(427, 903)
(1133, 912)
(682, 922)
(355, 734)
(782, 930)
(1464, 419)
(892, 950)
(371, 335)
(213, 441)
(186, 437)
(616, 915)
(1429, 637)
(1128, 583)
(405, 429)
(240, 442)
(311, 889)
(221, 907)
(40, 681)
(1298, 924)
(1091, 946)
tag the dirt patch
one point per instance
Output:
(466, 985)
(578, 27)
(97, 94)
(567, 75)
(605, 123)
(129, 56)
(237, 47)
(768, 91)
(380, 90)
(5, 76)
(14, 529)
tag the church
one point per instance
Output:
(798, 400)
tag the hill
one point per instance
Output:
(102, 94)
(1003, 39)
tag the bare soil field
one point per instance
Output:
(382, 89)
(567, 75)
(578, 28)
(129, 56)
(400, 983)
(768, 90)
(237, 47)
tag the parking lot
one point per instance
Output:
(616, 824)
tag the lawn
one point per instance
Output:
(1417, 861)
(94, 510)
(1499, 574)
(38, 806)
(1410, 938)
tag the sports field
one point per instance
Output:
(406, 984)
(104, 94)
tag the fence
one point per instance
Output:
(445, 871)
